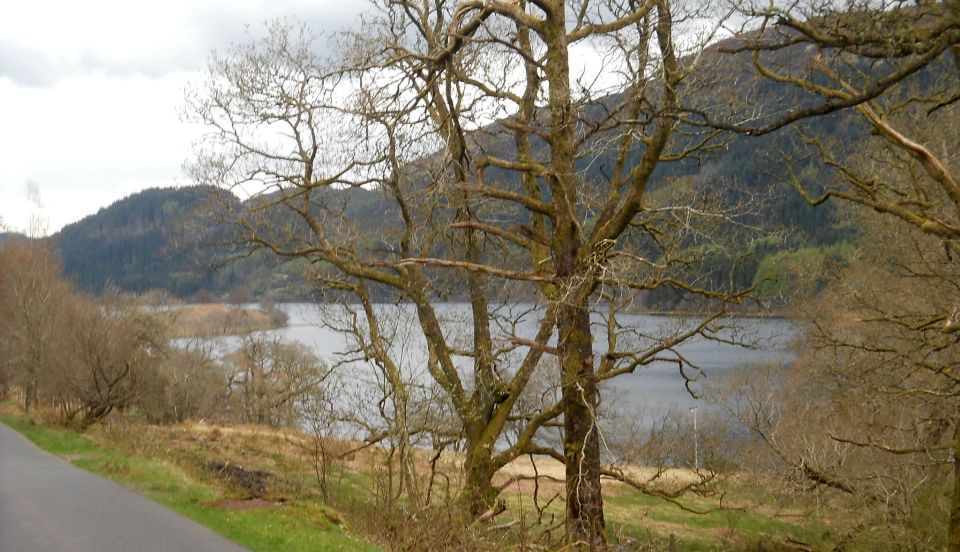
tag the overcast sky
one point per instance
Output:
(90, 92)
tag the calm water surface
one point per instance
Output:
(651, 392)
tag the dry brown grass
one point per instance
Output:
(358, 476)
(273, 449)
(358, 479)
(217, 319)
(552, 473)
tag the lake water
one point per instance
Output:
(650, 393)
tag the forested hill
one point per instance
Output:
(167, 238)
(136, 244)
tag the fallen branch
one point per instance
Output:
(494, 511)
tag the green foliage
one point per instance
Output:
(800, 272)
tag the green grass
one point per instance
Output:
(748, 527)
(640, 518)
(302, 525)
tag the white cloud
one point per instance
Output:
(89, 140)
(90, 92)
(42, 41)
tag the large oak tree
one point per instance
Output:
(506, 170)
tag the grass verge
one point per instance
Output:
(172, 465)
(298, 525)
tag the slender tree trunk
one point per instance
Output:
(398, 389)
(30, 392)
(953, 529)
(407, 460)
(581, 444)
(30, 389)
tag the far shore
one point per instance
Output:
(218, 319)
(770, 314)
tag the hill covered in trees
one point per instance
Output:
(168, 238)
(171, 239)
(162, 238)
(138, 243)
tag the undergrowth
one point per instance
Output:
(266, 490)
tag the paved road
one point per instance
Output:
(48, 505)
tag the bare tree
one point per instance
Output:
(552, 203)
(270, 379)
(90, 357)
(31, 300)
(111, 354)
(4, 366)
(38, 225)
(866, 417)
(890, 71)
(189, 383)
(889, 67)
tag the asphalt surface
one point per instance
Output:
(48, 505)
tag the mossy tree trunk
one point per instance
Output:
(953, 530)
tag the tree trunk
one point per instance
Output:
(585, 524)
(478, 492)
(30, 390)
(953, 529)
(581, 444)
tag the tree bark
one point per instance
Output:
(478, 492)
(585, 524)
(31, 388)
(953, 529)
(581, 445)
(30, 392)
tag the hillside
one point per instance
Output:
(138, 243)
(170, 239)
(162, 238)
(4, 236)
